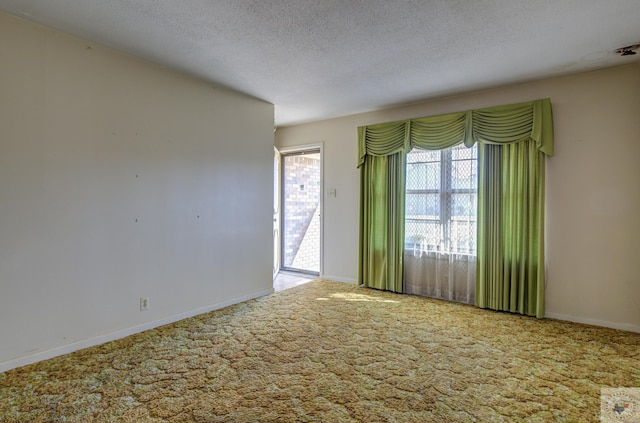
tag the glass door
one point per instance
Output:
(300, 229)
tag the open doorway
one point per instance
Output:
(300, 211)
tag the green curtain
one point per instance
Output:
(513, 141)
(438, 132)
(382, 224)
(510, 271)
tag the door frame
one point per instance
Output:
(302, 149)
(277, 203)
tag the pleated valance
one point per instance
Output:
(494, 125)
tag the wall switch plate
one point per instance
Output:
(144, 303)
(331, 192)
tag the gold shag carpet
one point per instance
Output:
(333, 352)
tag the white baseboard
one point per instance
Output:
(339, 279)
(69, 348)
(595, 322)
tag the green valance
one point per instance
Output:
(495, 125)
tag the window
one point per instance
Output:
(441, 200)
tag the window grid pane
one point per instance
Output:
(441, 200)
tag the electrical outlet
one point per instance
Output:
(144, 303)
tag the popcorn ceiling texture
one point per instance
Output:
(334, 352)
(319, 59)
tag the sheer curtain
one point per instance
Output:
(447, 276)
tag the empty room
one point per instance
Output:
(319, 211)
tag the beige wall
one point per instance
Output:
(121, 179)
(593, 188)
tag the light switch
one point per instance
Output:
(331, 192)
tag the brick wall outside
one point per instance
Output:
(308, 255)
(301, 213)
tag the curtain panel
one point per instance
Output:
(382, 222)
(495, 129)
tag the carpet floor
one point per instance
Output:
(333, 352)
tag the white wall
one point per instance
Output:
(121, 179)
(593, 188)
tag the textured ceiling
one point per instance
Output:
(316, 59)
